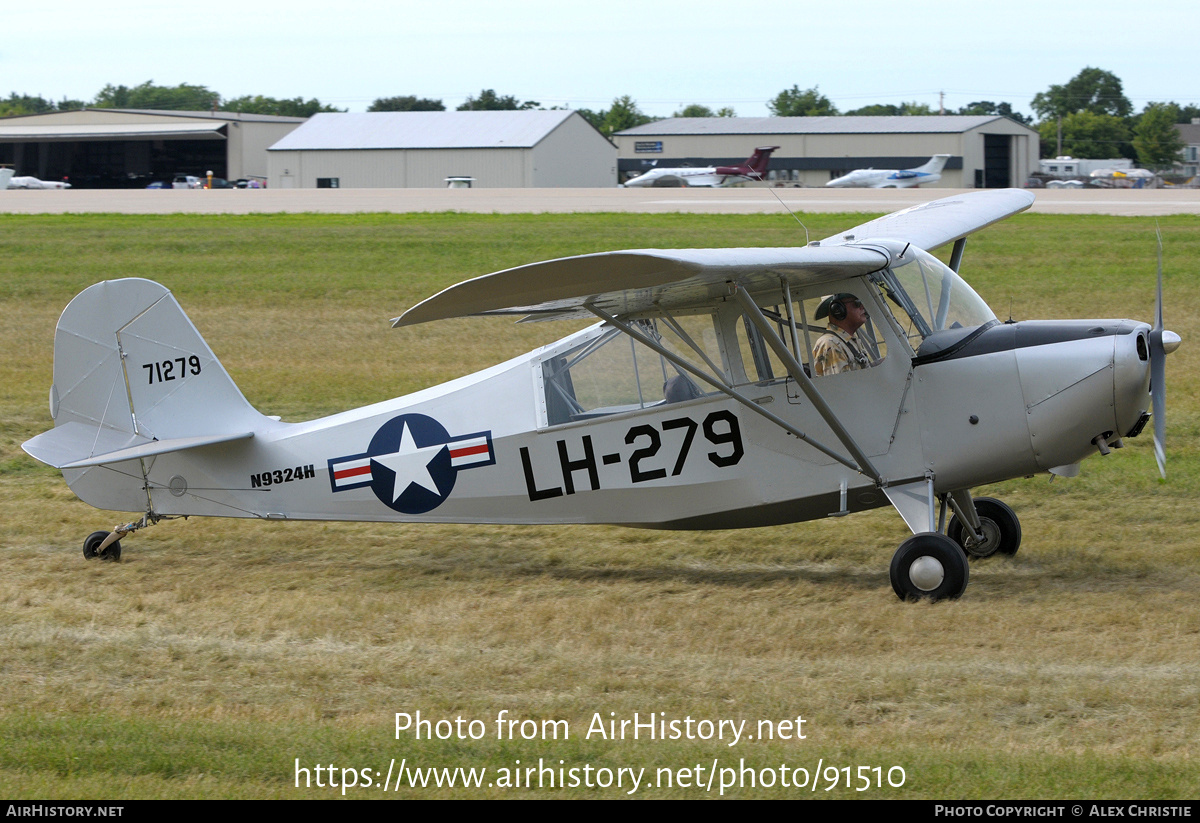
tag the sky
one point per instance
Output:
(662, 54)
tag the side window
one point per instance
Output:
(761, 363)
(614, 373)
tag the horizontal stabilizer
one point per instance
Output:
(78, 445)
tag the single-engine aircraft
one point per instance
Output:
(690, 405)
(755, 168)
(930, 172)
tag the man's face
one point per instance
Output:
(856, 314)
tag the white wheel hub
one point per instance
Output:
(926, 573)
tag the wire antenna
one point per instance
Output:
(785, 207)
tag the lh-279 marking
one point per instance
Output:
(720, 427)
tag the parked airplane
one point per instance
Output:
(931, 172)
(34, 183)
(755, 168)
(690, 405)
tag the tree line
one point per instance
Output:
(1088, 116)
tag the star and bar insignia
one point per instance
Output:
(412, 463)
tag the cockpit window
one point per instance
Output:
(933, 297)
(613, 373)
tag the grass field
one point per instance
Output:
(219, 653)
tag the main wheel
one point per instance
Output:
(91, 547)
(929, 566)
(1001, 530)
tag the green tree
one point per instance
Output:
(1155, 138)
(797, 102)
(296, 107)
(488, 100)
(623, 114)
(889, 110)
(406, 102)
(1002, 109)
(698, 110)
(1085, 134)
(184, 97)
(875, 110)
(1092, 90)
(24, 104)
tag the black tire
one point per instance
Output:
(91, 546)
(929, 566)
(1001, 529)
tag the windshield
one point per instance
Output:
(933, 297)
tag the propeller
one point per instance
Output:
(1162, 342)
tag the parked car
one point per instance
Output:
(186, 181)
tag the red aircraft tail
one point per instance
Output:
(755, 166)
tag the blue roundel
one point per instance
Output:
(411, 470)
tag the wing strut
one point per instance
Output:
(796, 371)
(719, 385)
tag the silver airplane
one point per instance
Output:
(694, 402)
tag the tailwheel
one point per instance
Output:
(92, 547)
(929, 566)
(1000, 526)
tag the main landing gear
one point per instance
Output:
(934, 566)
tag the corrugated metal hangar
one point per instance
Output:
(424, 149)
(985, 151)
(127, 148)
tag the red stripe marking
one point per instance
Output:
(466, 451)
(344, 473)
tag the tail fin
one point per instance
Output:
(133, 378)
(755, 166)
(935, 164)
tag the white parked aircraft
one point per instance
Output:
(690, 405)
(755, 168)
(34, 183)
(931, 172)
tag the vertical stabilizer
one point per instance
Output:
(131, 371)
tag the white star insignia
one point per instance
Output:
(410, 464)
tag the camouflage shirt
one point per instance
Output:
(835, 352)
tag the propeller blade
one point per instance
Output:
(1158, 397)
(1158, 301)
(1158, 386)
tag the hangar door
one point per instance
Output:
(997, 161)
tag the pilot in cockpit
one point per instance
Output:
(839, 350)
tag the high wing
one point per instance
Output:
(625, 283)
(934, 224)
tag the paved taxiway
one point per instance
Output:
(1131, 202)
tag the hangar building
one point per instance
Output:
(129, 148)
(422, 149)
(986, 151)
